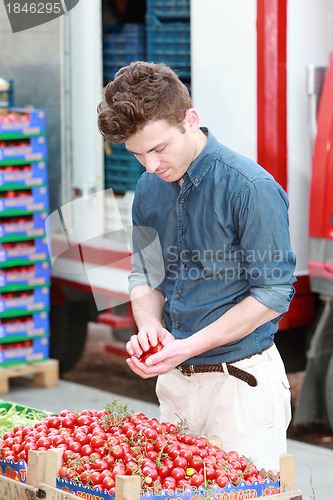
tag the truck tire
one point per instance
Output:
(329, 392)
(68, 332)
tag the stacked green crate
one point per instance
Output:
(168, 35)
(24, 257)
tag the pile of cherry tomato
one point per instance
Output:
(98, 445)
(13, 116)
(16, 345)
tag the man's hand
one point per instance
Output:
(166, 359)
(163, 361)
(146, 338)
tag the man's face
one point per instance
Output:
(163, 149)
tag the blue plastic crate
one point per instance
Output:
(169, 9)
(122, 169)
(170, 42)
(122, 44)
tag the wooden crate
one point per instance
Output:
(44, 374)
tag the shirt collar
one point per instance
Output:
(200, 166)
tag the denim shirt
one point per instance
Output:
(220, 237)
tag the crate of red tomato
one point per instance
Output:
(18, 176)
(18, 201)
(22, 251)
(24, 351)
(24, 276)
(113, 452)
(20, 122)
(24, 150)
(26, 324)
(17, 302)
(29, 225)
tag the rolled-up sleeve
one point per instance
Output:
(276, 297)
(268, 259)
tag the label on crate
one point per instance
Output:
(242, 491)
(24, 251)
(30, 325)
(26, 225)
(34, 199)
(27, 149)
(13, 470)
(23, 301)
(35, 274)
(16, 122)
(27, 351)
(33, 174)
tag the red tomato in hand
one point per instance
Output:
(152, 350)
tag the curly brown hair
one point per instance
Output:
(140, 93)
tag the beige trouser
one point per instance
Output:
(250, 420)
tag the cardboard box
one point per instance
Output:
(19, 252)
(16, 303)
(28, 275)
(25, 150)
(24, 326)
(14, 228)
(28, 351)
(19, 201)
(17, 176)
(229, 492)
(21, 122)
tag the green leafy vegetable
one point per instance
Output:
(12, 416)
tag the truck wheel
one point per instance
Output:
(68, 326)
(329, 391)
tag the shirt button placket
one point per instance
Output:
(181, 221)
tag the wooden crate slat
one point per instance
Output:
(287, 473)
(36, 467)
(11, 489)
(50, 493)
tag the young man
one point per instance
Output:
(212, 268)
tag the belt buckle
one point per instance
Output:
(183, 370)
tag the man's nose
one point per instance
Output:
(151, 164)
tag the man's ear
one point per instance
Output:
(192, 120)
